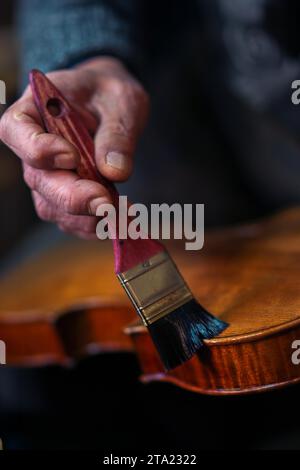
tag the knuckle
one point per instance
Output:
(90, 225)
(76, 201)
(36, 157)
(116, 86)
(70, 201)
(118, 128)
(39, 155)
(4, 122)
(72, 204)
(43, 211)
(13, 112)
(51, 139)
(29, 176)
(127, 87)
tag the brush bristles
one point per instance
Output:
(178, 335)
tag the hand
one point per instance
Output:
(114, 108)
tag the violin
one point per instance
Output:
(66, 304)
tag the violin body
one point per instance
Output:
(67, 303)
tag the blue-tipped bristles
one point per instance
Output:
(180, 334)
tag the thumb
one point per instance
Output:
(114, 148)
(123, 111)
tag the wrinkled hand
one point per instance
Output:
(114, 108)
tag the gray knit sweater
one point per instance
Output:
(59, 33)
(244, 60)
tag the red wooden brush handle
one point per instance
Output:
(61, 118)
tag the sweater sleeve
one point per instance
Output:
(61, 33)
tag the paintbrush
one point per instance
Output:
(177, 323)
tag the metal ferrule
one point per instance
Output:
(155, 287)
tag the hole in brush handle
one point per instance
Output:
(55, 107)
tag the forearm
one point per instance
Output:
(60, 33)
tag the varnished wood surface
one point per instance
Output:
(249, 276)
(71, 273)
(64, 304)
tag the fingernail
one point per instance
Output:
(95, 203)
(65, 161)
(117, 160)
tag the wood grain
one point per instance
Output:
(67, 303)
(250, 277)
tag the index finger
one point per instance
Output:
(22, 131)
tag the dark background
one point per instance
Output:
(15, 202)
(100, 403)
(182, 124)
